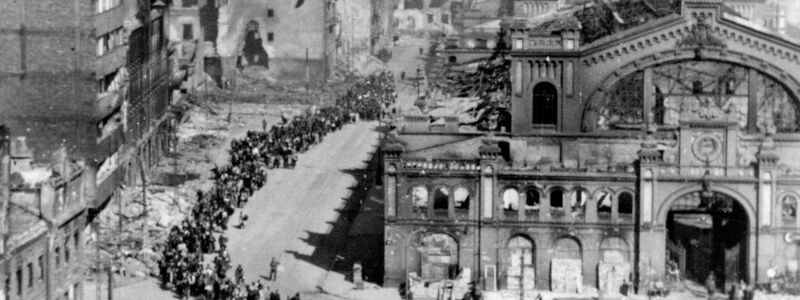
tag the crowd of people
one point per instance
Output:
(182, 267)
(369, 98)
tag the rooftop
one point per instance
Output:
(24, 225)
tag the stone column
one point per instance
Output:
(762, 253)
(391, 159)
(649, 258)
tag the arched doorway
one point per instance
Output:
(521, 273)
(566, 269)
(438, 256)
(545, 104)
(614, 267)
(707, 232)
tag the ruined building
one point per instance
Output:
(43, 223)
(288, 40)
(670, 142)
(92, 76)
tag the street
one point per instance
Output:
(298, 217)
(291, 216)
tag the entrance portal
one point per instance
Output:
(520, 271)
(707, 233)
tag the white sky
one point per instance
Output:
(792, 8)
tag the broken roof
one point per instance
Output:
(23, 225)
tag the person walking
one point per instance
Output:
(711, 285)
(273, 269)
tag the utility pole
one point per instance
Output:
(418, 81)
(308, 75)
(145, 207)
(98, 268)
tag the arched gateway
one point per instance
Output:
(708, 229)
(707, 233)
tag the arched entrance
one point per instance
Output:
(438, 256)
(566, 268)
(520, 270)
(707, 232)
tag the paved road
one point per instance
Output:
(406, 58)
(292, 216)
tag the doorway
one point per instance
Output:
(545, 104)
(707, 233)
(520, 271)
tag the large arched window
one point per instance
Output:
(697, 91)
(545, 104)
(622, 107)
(776, 108)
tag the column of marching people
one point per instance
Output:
(182, 267)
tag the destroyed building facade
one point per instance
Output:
(94, 77)
(667, 144)
(44, 223)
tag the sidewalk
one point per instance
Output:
(147, 289)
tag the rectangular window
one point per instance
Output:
(270, 13)
(30, 275)
(270, 36)
(19, 281)
(66, 251)
(58, 256)
(569, 44)
(445, 18)
(430, 18)
(110, 41)
(189, 3)
(188, 34)
(518, 43)
(106, 5)
(8, 285)
(41, 267)
(76, 239)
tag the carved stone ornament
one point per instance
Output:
(707, 147)
(701, 36)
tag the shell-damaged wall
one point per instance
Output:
(293, 30)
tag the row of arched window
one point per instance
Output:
(559, 200)
(441, 197)
(574, 201)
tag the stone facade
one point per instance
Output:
(606, 159)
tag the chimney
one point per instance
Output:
(5, 189)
